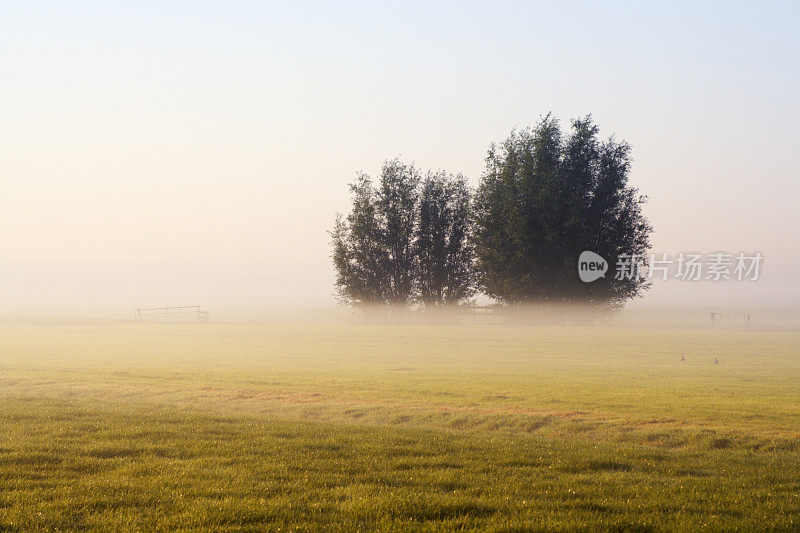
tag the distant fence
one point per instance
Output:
(730, 320)
(459, 314)
(188, 313)
(501, 315)
(484, 314)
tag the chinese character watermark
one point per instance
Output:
(716, 266)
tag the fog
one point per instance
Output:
(154, 156)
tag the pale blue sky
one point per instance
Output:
(157, 153)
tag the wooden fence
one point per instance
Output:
(187, 313)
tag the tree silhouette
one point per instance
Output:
(404, 241)
(544, 199)
(443, 250)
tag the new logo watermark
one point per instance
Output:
(717, 266)
(591, 266)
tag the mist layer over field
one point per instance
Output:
(283, 423)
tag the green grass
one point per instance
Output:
(324, 427)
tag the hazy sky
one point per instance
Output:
(168, 153)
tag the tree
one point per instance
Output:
(443, 250)
(396, 206)
(405, 241)
(373, 246)
(358, 248)
(542, 201)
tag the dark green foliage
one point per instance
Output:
(396, 207)
(544, 199)
(405, 241)
(358, 248)
(444, 253)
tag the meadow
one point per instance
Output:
(309, 427)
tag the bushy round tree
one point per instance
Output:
(405, 240)
(543, 199)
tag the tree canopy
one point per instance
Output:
(405, 240)
(544, 198)
(443, 249)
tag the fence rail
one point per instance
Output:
(730, 320)
(186, 313)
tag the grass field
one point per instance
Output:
(392, 427)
